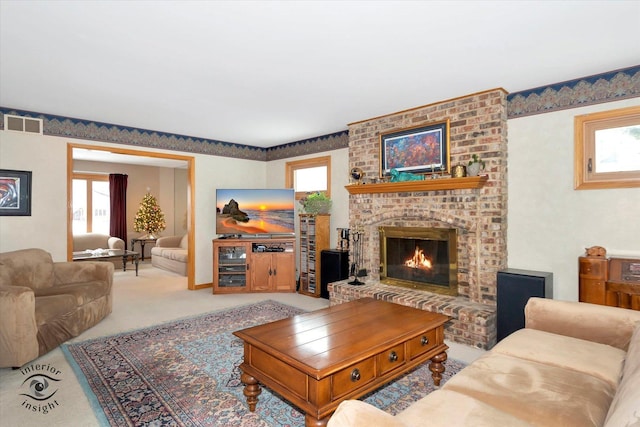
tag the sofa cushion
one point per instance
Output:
(592, 322)
(600, 360)
(544, 395)
(171, 253)
(446, 408)
(91, 241)
(53, 306)
(354, 413)
(625, 409)
(184, 242)
(32, 268)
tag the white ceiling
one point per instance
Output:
(267, 73)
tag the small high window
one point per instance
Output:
(607, 149)
(308, 176)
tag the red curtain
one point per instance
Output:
(118, 194)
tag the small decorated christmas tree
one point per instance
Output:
(149, 218)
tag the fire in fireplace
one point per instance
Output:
(419, 258)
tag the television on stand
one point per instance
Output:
(255, 212)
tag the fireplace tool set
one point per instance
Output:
(356, 269)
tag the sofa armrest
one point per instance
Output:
(598, 323)
(169, 242)
(18, 328)
(77, 272)
(354, 413)
(115, 243)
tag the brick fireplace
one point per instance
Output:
(478, 125)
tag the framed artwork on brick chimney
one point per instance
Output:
(422, 149)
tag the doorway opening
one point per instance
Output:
(113, 155)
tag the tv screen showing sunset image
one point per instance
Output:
(255, 211)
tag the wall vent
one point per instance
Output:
(23, 124)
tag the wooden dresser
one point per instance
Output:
(609, 280)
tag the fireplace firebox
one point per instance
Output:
(419, 258)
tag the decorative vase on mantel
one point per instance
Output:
(475, 166)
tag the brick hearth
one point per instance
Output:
(478, 125)
(471, 323)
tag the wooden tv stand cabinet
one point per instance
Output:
(613, 280)
(254, 265)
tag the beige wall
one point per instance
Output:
(550, 223)
(46, 158)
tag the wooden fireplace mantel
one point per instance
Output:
(425, 185)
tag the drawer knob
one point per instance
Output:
(355, 375)
(424, 340)
(393, 356)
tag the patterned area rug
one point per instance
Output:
(185, 373)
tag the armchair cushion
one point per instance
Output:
(32, 268)
(18, 327)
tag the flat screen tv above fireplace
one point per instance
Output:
(419, 258)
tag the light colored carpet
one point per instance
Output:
(154, 297)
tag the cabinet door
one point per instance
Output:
(284, 279)
(261, 272)
(592, 291)
(230, 267)
(593, 275)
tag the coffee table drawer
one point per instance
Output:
(353, 377)
(422, 343)
(391, 359)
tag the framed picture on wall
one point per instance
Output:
(423, 149)
(15, 193)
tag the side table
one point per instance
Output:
(142, 243)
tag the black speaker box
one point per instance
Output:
(515, 287)
(334, 266)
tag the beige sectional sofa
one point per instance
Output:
(171, 253)
(45, 303)
(574, 364)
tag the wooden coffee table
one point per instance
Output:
(318, 359)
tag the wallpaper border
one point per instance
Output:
(606, 87)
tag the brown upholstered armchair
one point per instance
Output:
(45, 303)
